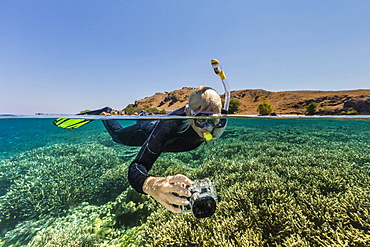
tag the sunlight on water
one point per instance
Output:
(282, 181)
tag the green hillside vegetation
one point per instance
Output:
(264, 109)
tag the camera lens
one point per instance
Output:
(204, 207)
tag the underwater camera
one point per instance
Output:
(203, 199)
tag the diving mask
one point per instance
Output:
(203, 123)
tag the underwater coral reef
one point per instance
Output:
(282, 182)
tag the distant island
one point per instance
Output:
(248, 100)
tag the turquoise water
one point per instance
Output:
(282, 182)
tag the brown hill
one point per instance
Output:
(287, 102)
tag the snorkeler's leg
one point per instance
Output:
(113, 128)
(97, 112)
(134, 135)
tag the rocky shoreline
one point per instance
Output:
(284, 102)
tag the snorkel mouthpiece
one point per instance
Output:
(207, 136)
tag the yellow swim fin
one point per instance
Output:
(70, 123)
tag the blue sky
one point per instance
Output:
(67, 56)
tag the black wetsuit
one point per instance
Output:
(155, 137)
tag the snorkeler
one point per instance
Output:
(171, 135)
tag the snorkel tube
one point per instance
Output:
(218, 70)
(210, 138)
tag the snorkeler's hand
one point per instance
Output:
(161, 189)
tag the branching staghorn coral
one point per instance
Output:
(116, 223)
(49, 180)
(291, 183)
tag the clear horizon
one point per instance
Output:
(61, 57)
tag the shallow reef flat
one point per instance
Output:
(281, 182)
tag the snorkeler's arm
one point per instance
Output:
(149, 152)
(160, 188)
